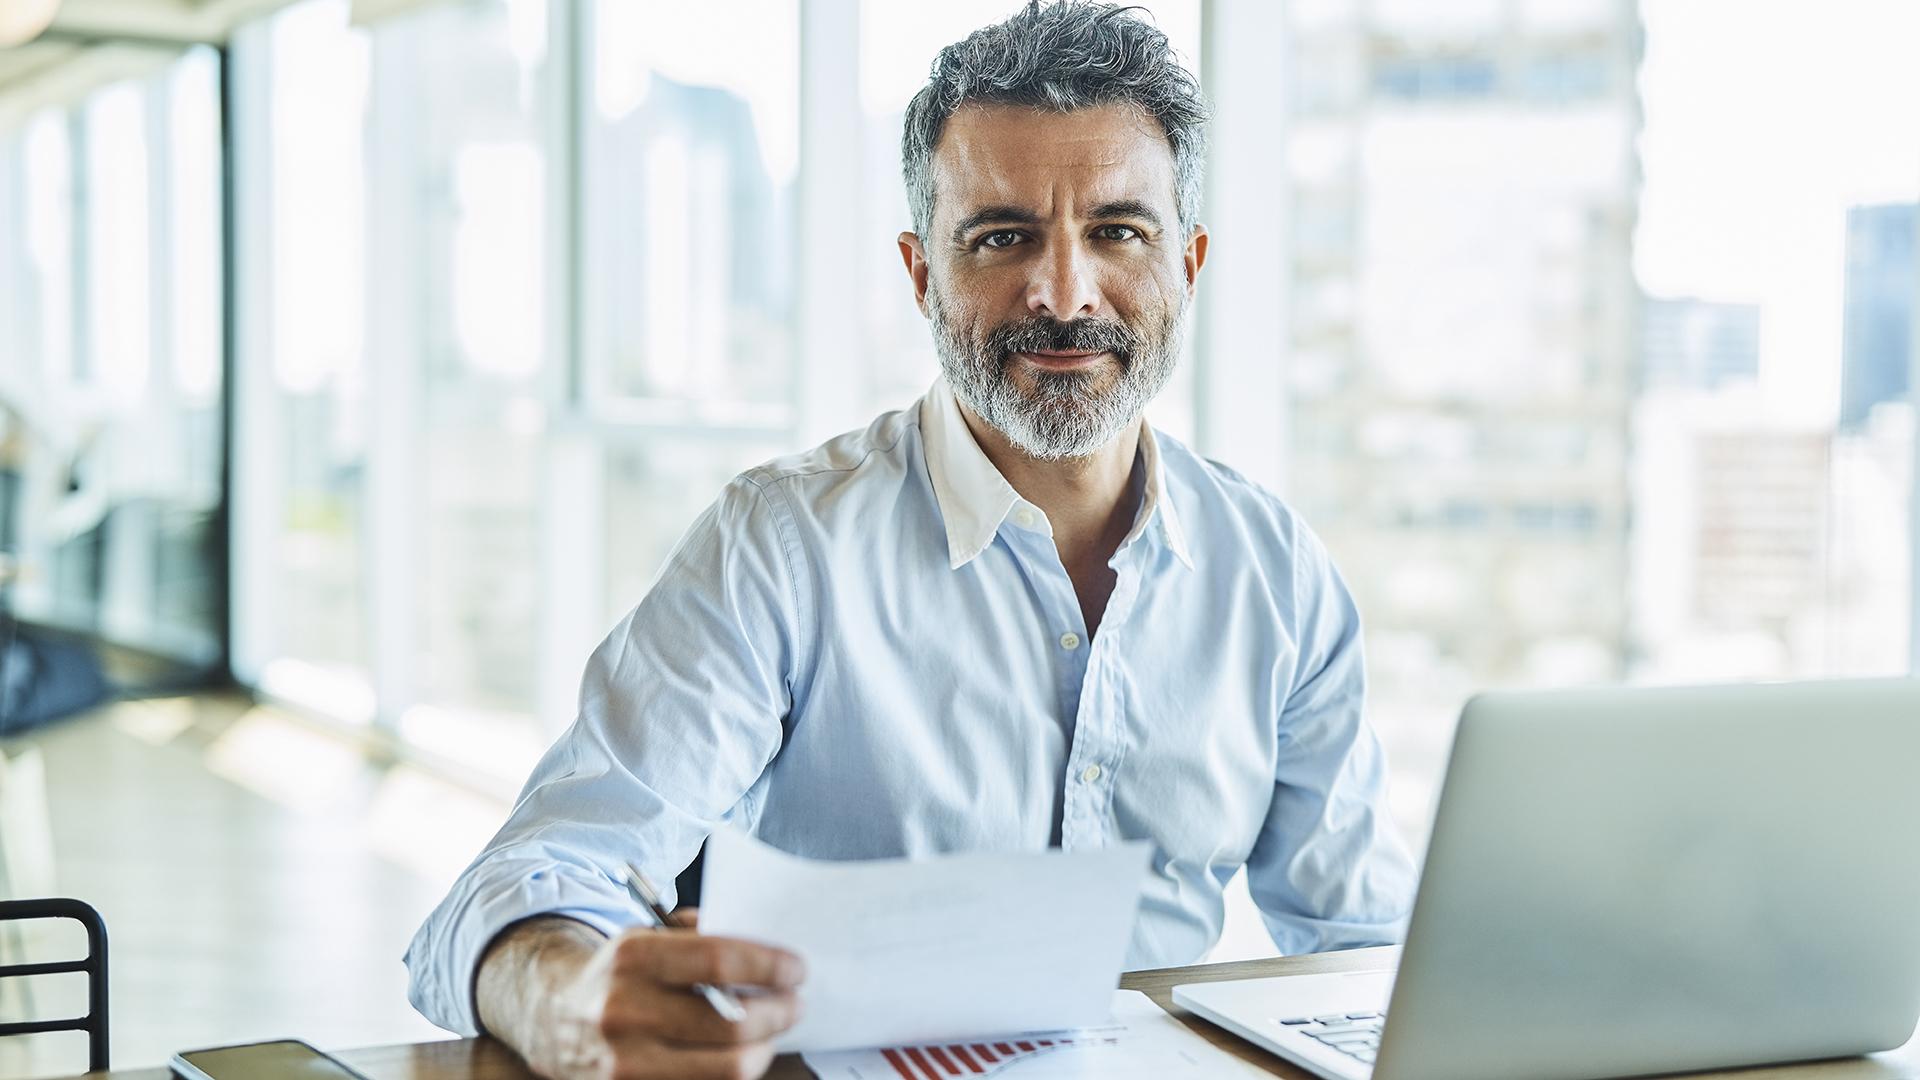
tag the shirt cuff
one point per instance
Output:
(444, 956)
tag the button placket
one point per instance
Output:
(1098, 726)
(1059, 612)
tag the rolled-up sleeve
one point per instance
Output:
(681, 711)
(1329, 870)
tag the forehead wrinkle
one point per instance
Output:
(980, 158)
(1081, 151)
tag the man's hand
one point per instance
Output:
(578, 1006)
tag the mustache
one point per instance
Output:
(1042, 334)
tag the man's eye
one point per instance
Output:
(1118, 232)
(1003, 238)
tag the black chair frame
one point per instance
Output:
(94, 1023)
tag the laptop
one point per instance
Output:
(1633, 881)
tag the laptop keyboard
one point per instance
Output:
(1354, 1034)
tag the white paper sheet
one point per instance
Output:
(1143, 1042)
(911, 951)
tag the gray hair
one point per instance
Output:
(1068, 55)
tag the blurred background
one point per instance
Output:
(361, 361)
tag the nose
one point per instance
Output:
(1062, 284)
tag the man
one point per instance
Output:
(1009, 617)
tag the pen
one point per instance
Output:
(724, 1003)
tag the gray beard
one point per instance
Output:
(1065, 417)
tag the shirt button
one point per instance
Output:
(1069, 640)
(1025, 517)
(1090, 773)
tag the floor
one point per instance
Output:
(259, 878)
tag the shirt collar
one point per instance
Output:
(975, 499)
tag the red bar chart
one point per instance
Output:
(1143, 1043)
(975, 1059)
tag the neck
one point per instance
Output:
(1088, 500)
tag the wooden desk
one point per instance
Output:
(485, 1059)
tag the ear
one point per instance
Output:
(1196, 256)
(914, 254)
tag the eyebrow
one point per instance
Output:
(1017, 215)
(1127, 208)
(996, 215)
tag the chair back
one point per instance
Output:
(94, 964)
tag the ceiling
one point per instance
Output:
(93, 42)
(182, 21)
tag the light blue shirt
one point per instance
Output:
(872, 649)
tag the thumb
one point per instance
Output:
(687, 917)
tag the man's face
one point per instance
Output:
(1056, 276)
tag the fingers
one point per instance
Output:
(687, 917)
(681, 959)
(655, 1025)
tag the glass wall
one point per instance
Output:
(303, 390)
(1590, 369)
(110, 388)
(523, 320)
(692, 152)
(458, 257)
(689, 181)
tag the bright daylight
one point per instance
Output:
(898, 540)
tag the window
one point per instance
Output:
(692, 157)
(507, 367)
(302, 613)
(1598, 348)
(111, 428)
(458, 209)
(46, 153)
